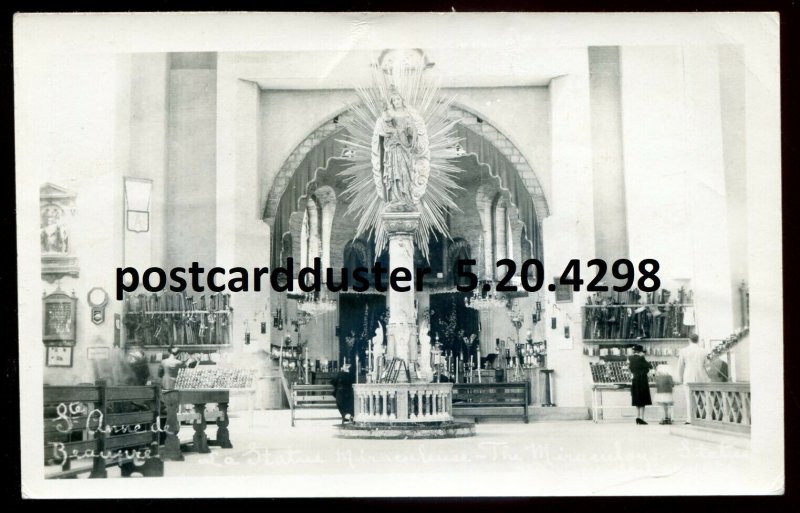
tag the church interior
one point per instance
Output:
(239, 159)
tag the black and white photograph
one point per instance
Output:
(399, 254)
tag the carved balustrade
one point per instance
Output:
(721, 405)
(403, 402)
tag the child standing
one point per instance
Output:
(664, 385)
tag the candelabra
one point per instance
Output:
(298, 324)
(436, 358)
(516, 320)
(277, 319)
(481, 302)
(534, 353)
(301, 320)
(315, 304)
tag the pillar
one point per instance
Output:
(402, 326)
(569, 231)
(243, 239)
(611, 232)
(675, 179)
(313, 231)
(486, 240)
(191, 153)
(764, 251)
(500, 243)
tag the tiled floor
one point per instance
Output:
(550, 458)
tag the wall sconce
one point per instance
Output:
(566, 326)
(137, 204)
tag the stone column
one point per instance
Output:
(402, 326)
(328, 212)
(500, 242)
(569, 231)
(313, 233)
(486, 241)
(242, 237)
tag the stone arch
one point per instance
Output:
(311, 231)
(459, 246)
(357, 254)
(477, 124)
(459, 249)
(469, 120)
(326, 199)
(287, 247)
(526, 246)
(284, 175)
(488, 197)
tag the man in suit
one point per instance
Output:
(691, 369)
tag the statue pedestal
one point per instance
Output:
(401, 329)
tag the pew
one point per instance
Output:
(491, 400)
(312, 397)
(90, 427)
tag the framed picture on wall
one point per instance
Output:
(59, 356)
(137, 204)
(563, 292)
(58, 318)
(56, 217)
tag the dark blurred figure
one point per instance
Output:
(140, 370)
(717, 370)
(343, 392)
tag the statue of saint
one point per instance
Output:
(424, 358)
(400, 153)
(377, 340)
(53, 233)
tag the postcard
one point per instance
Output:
(380, 254)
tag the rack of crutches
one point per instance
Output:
(632, 316)
(175, 319)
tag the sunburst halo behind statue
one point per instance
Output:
(403, 146)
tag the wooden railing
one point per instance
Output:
(720, 405)
(403, 402)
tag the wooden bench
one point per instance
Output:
(312, 397)
(104, 425)
(491, 400)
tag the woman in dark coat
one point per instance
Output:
(343, 391)
(640, 388)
